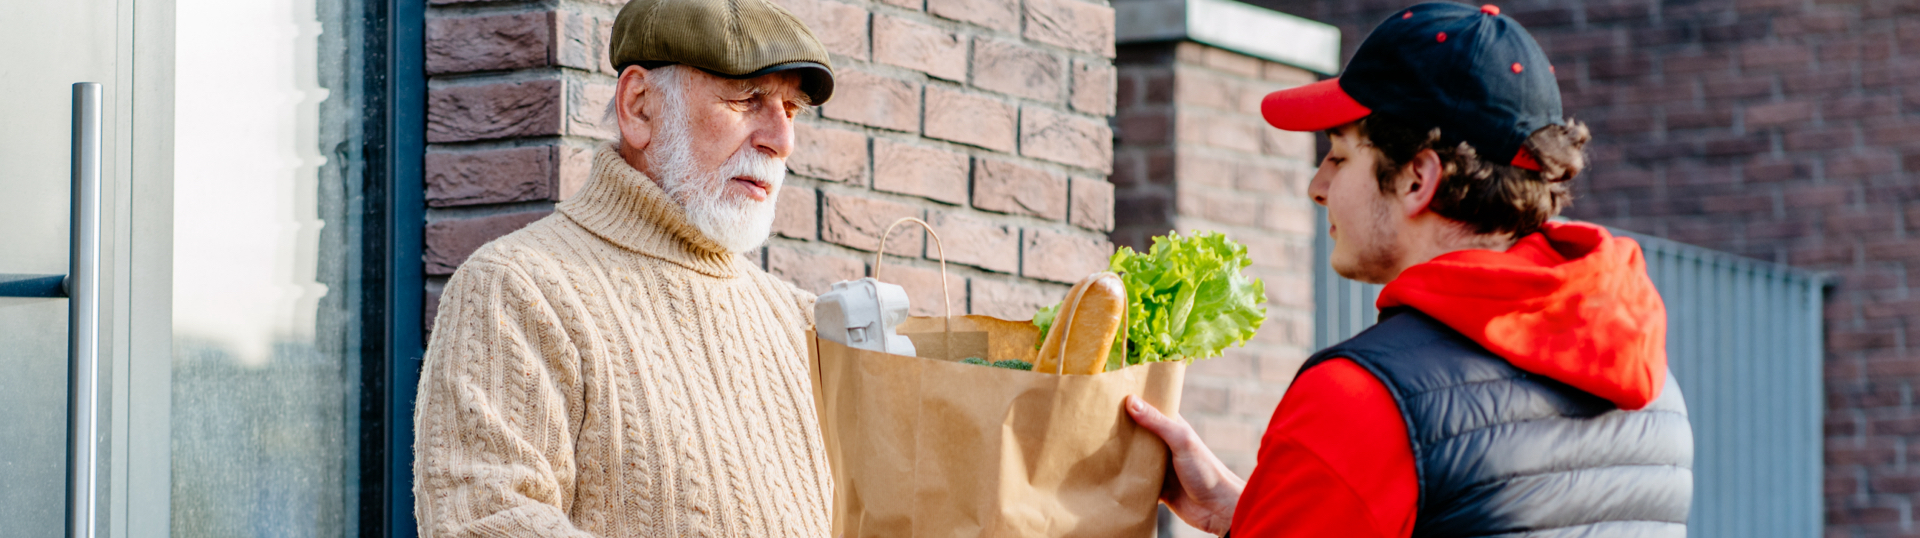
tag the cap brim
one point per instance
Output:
(815, 80)
(1314, 107)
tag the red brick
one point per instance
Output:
(1856, 221)
(488, 43)
(489, 177)
(828, 153)
(1050, 255)
(1289, 144)
(1066, 139)
(1012, 300)
(1715, 118)
(1226, 207)
(1093, 87)
(975, 241)
(797, 213)
(493, 111)
(431, 305)
(970, 118)
(582, 41)
(576, 167)
(1018, 70)
(1287, 215)
(1207, 89)
(1774, 55)
(1723, 86)
(1235, 132)
(921, 47)
(869, 99)
(1092, 205)
(1071, 24)
(586, 108)
(840, 27)
(1810, 139)
(810, 271)
(994, 14)
(1778, 114)
(923, 289)
(1860, 165)
(1007, 187)
(920, 171)
(1689, 63)
(448, 242)
(1857, 107)
(1146, 127)
(857, 222)
(1231, 62)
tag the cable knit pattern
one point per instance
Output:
(610, 371)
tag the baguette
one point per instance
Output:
(1091, 316)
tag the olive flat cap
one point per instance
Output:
(729, 38)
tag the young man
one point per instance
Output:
(617, 369)
(1516, 383)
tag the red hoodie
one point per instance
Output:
(1572, 303)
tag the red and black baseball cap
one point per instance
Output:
(1470, 71)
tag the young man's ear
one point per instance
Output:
(635, 123)
(1419, 181)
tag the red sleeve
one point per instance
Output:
(1335, 462)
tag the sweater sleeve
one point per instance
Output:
(1335, 462)
(493, 452)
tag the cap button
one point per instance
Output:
(1490, 9)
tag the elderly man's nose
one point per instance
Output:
(775, 135)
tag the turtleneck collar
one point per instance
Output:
(624, 206)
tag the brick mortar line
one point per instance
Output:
(976, 30)
(531, 74)
(500, 7)
(438, 214)
(509, 7)
(1235, 156)
(930, 261)
(927, 204)
(971, 151)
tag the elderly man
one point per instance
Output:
(617, 368)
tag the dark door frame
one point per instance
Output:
(392, 346)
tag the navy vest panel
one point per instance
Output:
(1502, 452)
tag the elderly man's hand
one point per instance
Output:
(1203, 491)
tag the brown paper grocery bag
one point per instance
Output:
(927, 446)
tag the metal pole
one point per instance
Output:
(83, 312)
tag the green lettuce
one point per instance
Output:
(1186, 300)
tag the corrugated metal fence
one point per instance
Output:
(1744, 341)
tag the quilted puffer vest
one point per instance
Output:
(1502, 452)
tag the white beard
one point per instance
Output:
(737, 223)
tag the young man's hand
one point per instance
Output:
(1203, 491)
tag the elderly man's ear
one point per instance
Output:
(634, 110)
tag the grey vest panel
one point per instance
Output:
(1502, 452)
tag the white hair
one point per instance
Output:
(737, 223)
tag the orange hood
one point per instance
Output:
(1571, 302)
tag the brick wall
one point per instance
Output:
(988, 118)
(1193, 154)
(1784, 130)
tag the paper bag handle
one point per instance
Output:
(945, 298)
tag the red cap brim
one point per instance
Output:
(1313, 107)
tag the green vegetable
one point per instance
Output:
(1186, 300)
(1010, 364)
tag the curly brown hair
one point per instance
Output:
(1486, 196)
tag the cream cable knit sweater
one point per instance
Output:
(610, 371)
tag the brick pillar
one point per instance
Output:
(988, 118)
(1194, 154)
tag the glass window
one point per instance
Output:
(266, 272)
